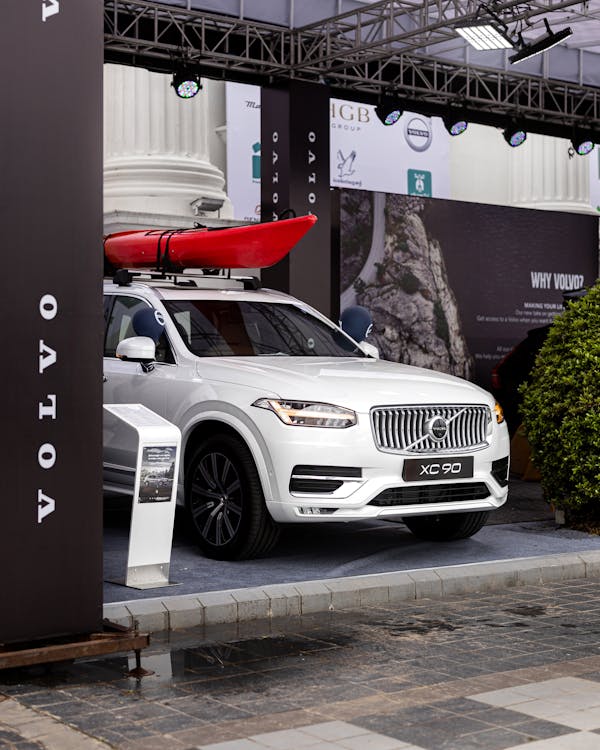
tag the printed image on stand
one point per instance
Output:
(157, 474)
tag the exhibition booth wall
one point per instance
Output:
(449, 284)
(453, 286)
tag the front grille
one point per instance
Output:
(448, 493)
(402, 428)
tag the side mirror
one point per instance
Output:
(137, 349)
(369, 349)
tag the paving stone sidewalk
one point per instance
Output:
(512, 669)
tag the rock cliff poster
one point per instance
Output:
(454, 286)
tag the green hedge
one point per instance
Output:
(561, 409)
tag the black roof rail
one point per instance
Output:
(124, 277)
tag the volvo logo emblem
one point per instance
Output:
(418, 133)
(436, 428)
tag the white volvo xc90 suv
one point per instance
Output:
(284, 418)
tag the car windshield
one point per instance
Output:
(229, 328)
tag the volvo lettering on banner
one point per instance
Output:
(51, 513)
(295, 180)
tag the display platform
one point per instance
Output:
(524, 528)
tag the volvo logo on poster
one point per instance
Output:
(418, 132)
(51, 516)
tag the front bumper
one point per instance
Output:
(321, 474)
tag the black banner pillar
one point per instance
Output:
(295, 175)
(51, 55)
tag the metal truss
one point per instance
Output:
(486, 96)
(396, 46)
(399, 27)
(152, 35)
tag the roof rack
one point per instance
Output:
(125, 276)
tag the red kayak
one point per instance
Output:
(250, 246)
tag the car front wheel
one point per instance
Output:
(446, 527)
(225, 501)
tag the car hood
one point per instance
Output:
(356, 383)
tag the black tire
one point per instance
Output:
(225, 501)
(446, 527)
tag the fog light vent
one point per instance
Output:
(321, 480)
(318, 486)
(500, 471)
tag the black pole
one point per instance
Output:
(295, 175)
(51, 216)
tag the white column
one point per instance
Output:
(542, 174)
(156, 154)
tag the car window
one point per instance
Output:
(229, 328)
(119, 326)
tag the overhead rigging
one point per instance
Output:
(386, 46)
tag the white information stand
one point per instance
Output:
(155, 489)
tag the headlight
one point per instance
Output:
(308, 413)
(499, 413)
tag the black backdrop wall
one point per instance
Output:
(51, 375)
(453, 286)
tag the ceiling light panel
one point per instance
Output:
(484, 36)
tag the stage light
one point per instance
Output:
(388, 112)
(485, 35)
(514, 135)
(186, 82)
(583, 143)
(455, 124)
(543, 43)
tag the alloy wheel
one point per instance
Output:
(216, 498)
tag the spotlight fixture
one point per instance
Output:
(583, 143)
(543, 43)
(388, 112)
(186, 82)
(455, 124)
(514, 135)
(486, 34)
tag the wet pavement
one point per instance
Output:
(520, 668)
